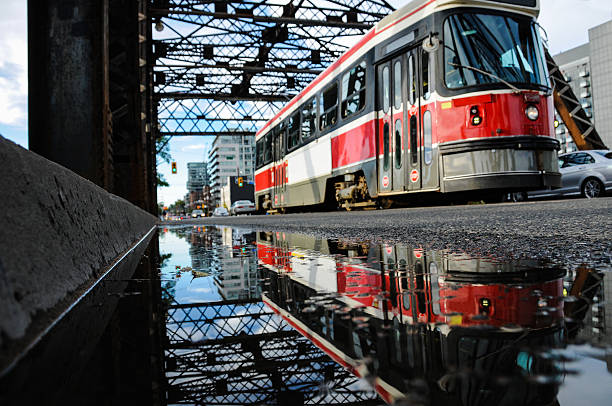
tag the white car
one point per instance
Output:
(242, 207)
(586, 173)
(220, 211)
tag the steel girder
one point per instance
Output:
(570, 109)
(226, 66)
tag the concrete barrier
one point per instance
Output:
(58, 234)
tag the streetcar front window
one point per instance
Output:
(483, 49)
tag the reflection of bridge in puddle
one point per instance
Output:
(240, 352)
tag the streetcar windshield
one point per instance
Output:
(483, 49)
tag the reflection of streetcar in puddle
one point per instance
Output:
(432, 327)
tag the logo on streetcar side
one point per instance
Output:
(414, 175)
(385, 181)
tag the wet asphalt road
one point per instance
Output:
(570, 231)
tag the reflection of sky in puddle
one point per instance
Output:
(187, 289)
(595, 385)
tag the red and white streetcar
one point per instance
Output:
(440, 96)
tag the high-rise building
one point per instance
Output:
(230, 156)
(197, 175)
(600, 42)
(197, 178)
(588, 69)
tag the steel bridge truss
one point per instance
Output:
(240, 353)
(228, 66)
(570, 109)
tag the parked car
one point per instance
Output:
(197, 213)
(586, 173)
(220, 211)
(242, 207)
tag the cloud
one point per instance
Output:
(13, 63)
(194, 147)
(567, 21)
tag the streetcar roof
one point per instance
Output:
(387, 27)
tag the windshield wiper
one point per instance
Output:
(484, 72)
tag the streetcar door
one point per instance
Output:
(413, 121)
(278, 166)
(428, 178)
(385, 124)
(397, 127)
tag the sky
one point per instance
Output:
(565, 21)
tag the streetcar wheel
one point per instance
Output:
(592, 188)
(386, 203)
(518, 196)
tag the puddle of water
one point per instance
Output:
(277, 318)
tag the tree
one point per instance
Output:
(162, 148)
(177, 207)
(160, 208)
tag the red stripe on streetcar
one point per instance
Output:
(405, 17)
(354, 145)
(263, 180)
(321, 345)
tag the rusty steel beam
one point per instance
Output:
(130, 95)
(68, 86)
(243, 68)
(90, 103)
(221, 97)
(265, 19)
(568, 106)
(207, 133)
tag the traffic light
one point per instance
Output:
(240, 181)
(173, 167)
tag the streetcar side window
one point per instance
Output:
(280, 141)
(309, 119)
(329, 106)
(268, 148)
(386, 147)
(259, 147)
(386, 90)
(397, 85)
(293, 131)
(425, 71)
(427, 137)
(411, 80)
(398, 144)
(414, 150)
(353, 90)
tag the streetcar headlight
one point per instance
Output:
(532, 113)
(475, 118)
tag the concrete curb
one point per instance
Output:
(58, 233)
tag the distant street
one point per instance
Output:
(568, 231)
